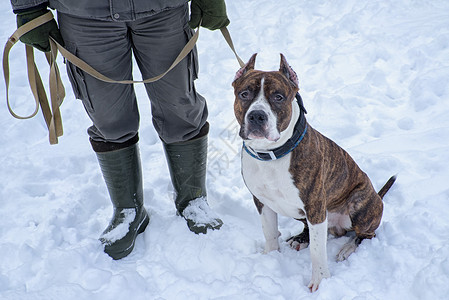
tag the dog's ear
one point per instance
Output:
(288, 71)
(249, 66)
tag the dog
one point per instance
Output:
(293, 170)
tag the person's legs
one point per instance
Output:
(179, 112)
(113, 110)
(106, 46)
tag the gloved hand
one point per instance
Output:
(211, 13)
(39, 36)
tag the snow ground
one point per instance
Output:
(374, 78)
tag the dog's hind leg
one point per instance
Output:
(365, 220)
(349, 248)
(300, 241)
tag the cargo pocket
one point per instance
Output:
(192, 59)
(77, 80)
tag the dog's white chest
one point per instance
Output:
(272, 183)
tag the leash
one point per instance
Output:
(51, 112)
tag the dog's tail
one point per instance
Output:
(387, 186)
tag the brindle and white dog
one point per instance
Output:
(293, 170)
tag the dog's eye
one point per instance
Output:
(244, 95)
(278, 97)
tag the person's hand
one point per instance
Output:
(211, 14)
(39, 36)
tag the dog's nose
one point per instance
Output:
(257, 117)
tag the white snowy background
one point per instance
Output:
(374, 76)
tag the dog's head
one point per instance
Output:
(263, 100)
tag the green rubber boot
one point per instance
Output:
(187, 166)
(122, 173)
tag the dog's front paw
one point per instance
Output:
(317, 276)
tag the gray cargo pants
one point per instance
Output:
(178, 111)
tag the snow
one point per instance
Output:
(200, 213)
(119, 232)
(374, 78)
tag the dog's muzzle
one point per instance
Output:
(257, 124)
(258, 118)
